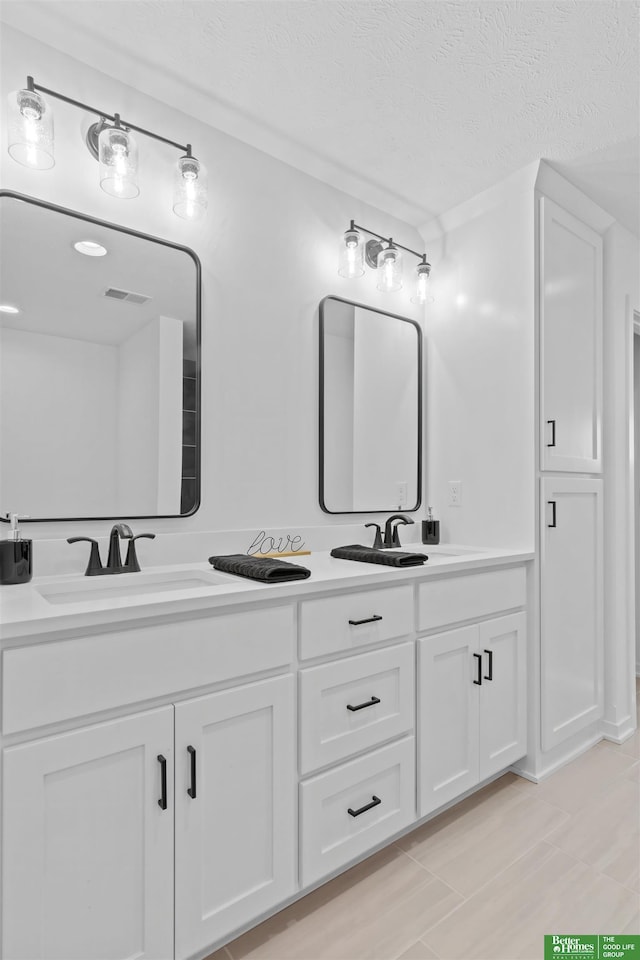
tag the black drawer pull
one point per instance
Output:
(356, 623)
(553, 433)
(192, 789)
(489, 674)
(361, 706)
(552, 504)
(368, 806)
(162, 802)
(478, 679)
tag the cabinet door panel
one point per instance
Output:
(235, 841)
(447, 717)
(503, 693)
(88, 852)
(572, 651)
(571, 342)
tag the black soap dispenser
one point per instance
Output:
(15, 555)
(430, 529)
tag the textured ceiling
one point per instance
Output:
(414, 106)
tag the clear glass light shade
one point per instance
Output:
(389, 270)
(30, 130)
(190, 189)
(351, 255)
(118, 157)
(423, 290)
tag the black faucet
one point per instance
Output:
(114, 562)
(391, 537)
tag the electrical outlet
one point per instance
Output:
(455, 493)
(401, 493)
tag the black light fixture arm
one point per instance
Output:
(378, 236)
(114, 118)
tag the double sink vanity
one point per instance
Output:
(185, 752)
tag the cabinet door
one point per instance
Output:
(503, 693)
(448, 705)
(571, 617)
(570, 342)
(235, 809)
(87, 849)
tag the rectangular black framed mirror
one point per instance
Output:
(370, 415)
(99, 368)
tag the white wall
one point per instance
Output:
(621, 295)
(149, 447)
(480, 366)
(58, 424)
(269, 254)
(636, 412)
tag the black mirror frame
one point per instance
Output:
(196, 260)
(321, 424)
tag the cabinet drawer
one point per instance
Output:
(378, 789)
(62, 679)
(334, 624)
(470, 597)
(339, 715)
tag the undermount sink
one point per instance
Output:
(128, 585)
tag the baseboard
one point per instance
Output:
(618, 732)
(638, 668)
(547, 771)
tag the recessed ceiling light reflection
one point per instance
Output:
(7, 308)
(90, 249)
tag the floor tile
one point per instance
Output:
(218, 955)
(633, 926)
(615, 850)
(631, 747)
(318, 925)
(576, 784)
(634, 773)
(471, 847)
(418, 951)
(546, 891)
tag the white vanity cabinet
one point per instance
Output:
(570, 274)
(235, 809)
(471, 700)
(87, 861)
(571, 593)
(171, 781)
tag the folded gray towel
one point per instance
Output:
(267, 569)
(355, 551)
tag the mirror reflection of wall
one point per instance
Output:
(97, 369)
(370, 402)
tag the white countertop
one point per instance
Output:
(24, 611)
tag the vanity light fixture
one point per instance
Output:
(7, 308)
(109, 140)
(90, 248)
(383, 255)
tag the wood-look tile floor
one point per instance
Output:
(485, 880)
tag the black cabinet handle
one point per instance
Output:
(368, 806)
(552, 504)
(356, 623)
(553, 433)
(361, 706)
(192, 789)
(489, 674)
(162, 802)
(478, 679)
